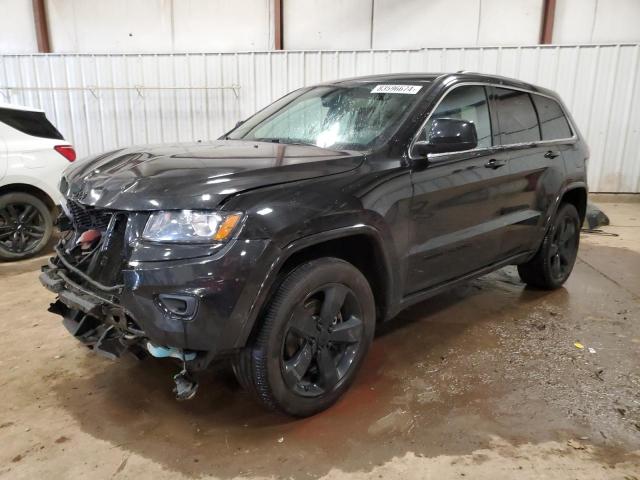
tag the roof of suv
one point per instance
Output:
(13, 106)
(430, 77)
(392, 77)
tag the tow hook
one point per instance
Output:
(186, 387)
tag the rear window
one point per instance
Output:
(31, 123)
(553, 123)
(516, 116)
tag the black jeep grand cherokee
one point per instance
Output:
(281, 245)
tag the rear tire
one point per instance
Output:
(26, 225)
(313, 339)
(555, 258)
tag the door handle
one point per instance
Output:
(494, 164)
(551, 154)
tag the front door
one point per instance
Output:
(457, 204)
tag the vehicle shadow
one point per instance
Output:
(424, 379)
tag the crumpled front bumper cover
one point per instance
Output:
(218, 293)
(104, 327)
(97, 322)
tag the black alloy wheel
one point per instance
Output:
(312, 340)
(25, 226)
(564, 248)
(322, 340)
(553, 262)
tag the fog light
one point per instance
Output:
(183, 306)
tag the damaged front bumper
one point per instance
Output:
(193, 310)
(105, 327)
(98, 321)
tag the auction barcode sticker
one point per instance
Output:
(406, 89)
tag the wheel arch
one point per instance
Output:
(577, 196)
(361, 246)
(30, 189)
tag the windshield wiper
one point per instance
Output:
(298, 142)
(285, 141)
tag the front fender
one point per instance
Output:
(269, 283)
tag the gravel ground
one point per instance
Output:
(485, 382)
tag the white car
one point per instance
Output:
(33, 155)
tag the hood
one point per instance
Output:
(196, 176)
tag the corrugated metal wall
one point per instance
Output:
(100, 102)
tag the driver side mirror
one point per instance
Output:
(448, 135)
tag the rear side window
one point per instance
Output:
(465, 103)
(553, 123)
(516, 116)
(31, 123)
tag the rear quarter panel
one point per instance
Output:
(3, 158)
(33, 161)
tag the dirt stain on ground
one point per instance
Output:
(492, 359)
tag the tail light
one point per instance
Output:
(66, 151)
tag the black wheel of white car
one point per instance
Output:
(554, 261)
(26, 226)
(315, 335)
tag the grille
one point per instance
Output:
(113, 253)
(85, 218)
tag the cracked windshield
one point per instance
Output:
(352, 118)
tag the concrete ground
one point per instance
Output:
(484, 382)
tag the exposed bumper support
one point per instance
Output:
(104, 339)
(195, 310)
(88, 313)
(102, 326)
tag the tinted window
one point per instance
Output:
(516, 116)
(553, 123)
(31, 123)
(465, 103)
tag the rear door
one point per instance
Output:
(525, 121)
(457, 202)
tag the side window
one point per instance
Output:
(31, 123)
(465, 103)
(553, 123)
(516, 116)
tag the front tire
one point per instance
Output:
(554, 261)
(314, 337)
(26, 225)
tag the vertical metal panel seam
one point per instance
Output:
(127, 73)
(87, 123)
(622, 146)
(144, 103)
(223, 111)
(205, 61)
(610, 95)
(114, 103)
(174, 95)
(192, 119)
(53, 93)
(100, 103)
(161, 116)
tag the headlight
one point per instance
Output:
(190, 226)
